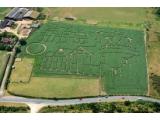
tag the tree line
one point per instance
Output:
(113, 107)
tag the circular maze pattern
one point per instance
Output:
(35, 48)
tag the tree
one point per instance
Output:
(112, 107)
(157, 11)
(95, 108)
(39, 9)
(8, 48)
(22, 42)
(2, 47)
(127, 103)
(41, 16)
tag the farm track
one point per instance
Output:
(36, 104)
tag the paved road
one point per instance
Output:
(75, 101)
(36, 104)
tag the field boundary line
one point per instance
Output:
(146, 50)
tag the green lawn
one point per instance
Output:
(116, 56)
(56, 87)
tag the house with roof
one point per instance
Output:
(17, 14)
(6, 23)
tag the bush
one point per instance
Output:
(39, 9)
(157, 11)
(5, 109)
(127, 103)
(2, 47)
(8, 48)
(23, 42)
(41, 16)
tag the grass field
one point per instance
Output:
(8, 104)
(22, 71)
(56, 87)
(115, 56)
(2, 53)
(116, 17)
(154, 64)
(4, 11)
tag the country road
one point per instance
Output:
(36, 104)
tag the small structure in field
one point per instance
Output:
(61, 50)
(70, 17)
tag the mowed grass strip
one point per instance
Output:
(3, 62)
(2, 54)
(51, 87)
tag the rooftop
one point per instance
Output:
(31, 14)
(17, 13)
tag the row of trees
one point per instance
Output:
(120, 107)
(157, 11)
(11, 109)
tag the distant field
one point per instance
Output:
(115, 56)
(3, 12)
(117, 17)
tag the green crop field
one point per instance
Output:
(115, 56)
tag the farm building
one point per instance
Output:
(31, 15)
(19, 14)
(6, 23)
